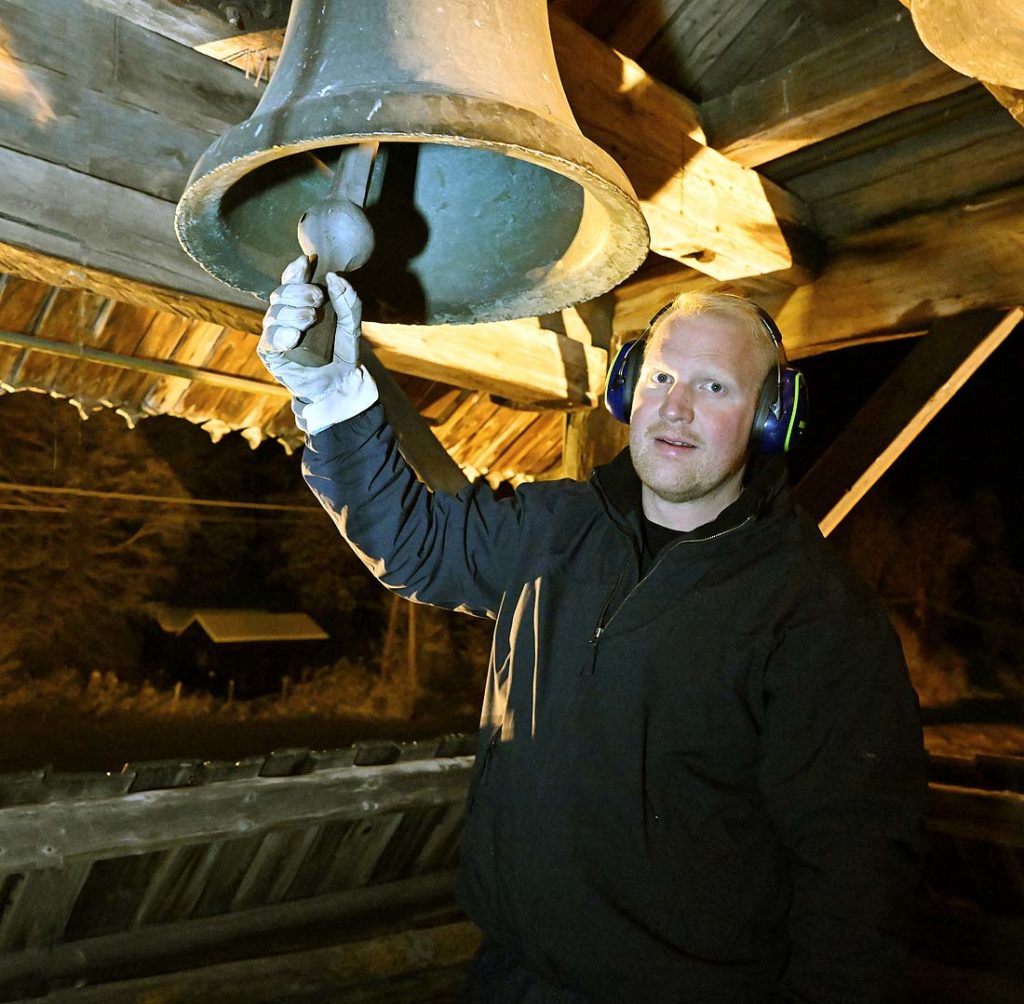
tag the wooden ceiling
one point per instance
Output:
(810, 153)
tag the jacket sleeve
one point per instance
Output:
(843, 775)
(451, 551)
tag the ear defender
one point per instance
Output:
(780, 419)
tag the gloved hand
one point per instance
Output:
(321, 395)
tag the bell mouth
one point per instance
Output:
(461, 233)
(472, 223)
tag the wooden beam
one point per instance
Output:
(519, 360)
(952, 148)
(157, 367)
(421, 964)
(877, 68)
(995, 817)
(1011, 98)
(417, 442)
(34, 837)
(702, 209)
(883, 281)
(898, 412)
(218, 938)
(641, 23)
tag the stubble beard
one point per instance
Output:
(684, 480)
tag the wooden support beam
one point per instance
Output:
(702, 208)
(886, 280)
(877, 68)
(518, 360)
(398, 968)
(135, 364)
(992, 816)
(417, 442)
(363, 912)
(898, 412)
(640, 23)
(951, 148)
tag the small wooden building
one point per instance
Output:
(244, 652)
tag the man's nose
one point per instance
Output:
(678, 404)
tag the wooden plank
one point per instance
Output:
(135, 364)
(420, 447)
(923, 383)
(188, 23)
(352, 915)
(952, 149)
(274, 867)
(877, 68)
(519, 360)
(40, 907)
(335, 973)
(698, 43)
(62, 213)
(358, 852)
(1011, 98)
(44, 836)
(993, 816)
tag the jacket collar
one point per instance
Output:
(765, 481)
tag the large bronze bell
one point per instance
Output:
(492, 204)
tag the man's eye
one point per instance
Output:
(715, 387)
(662, 378)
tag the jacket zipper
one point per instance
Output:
(595, 638)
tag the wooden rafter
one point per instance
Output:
(898, 412)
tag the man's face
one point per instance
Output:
(693, 409)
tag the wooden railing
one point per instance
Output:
(329, 876)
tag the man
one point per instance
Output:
(700, 774)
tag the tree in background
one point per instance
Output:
(79, 569)
(942, 567)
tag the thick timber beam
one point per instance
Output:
(883, 281)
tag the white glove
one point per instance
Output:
(321, 395)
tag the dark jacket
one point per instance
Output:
(705, 784)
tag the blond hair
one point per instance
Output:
(726, 306)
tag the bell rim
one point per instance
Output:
(454, 119)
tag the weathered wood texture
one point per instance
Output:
(342, 886)
(101, 351)
(885, 280)
(910, 162)
(878, 67)
(315, 848)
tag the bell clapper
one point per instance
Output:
(338, 233)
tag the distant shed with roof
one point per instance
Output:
(211, 648)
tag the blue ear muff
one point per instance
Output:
(781, 417)
(622, 377)
(784, 421)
